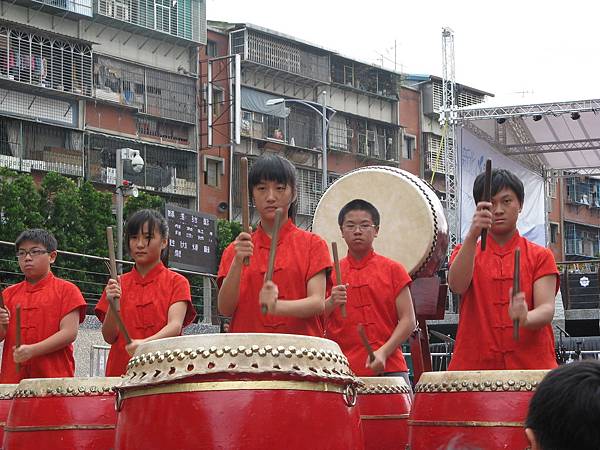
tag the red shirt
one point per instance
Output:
(43, 305)
(145, 303)
(374, 284)
(484, 340)
(300, 256)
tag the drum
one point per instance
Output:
(413, 228)
(7, 391)
(238, 391)
(384, 404)
(480, 409)
(62, 413)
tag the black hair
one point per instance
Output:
(564, 412)
(359, 204)
(39, 236)
(155, 220)
(501, 178)
(272, 167)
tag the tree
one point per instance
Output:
(143, 201)
(19, 204)
(226, 233)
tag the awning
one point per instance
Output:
(256, 101)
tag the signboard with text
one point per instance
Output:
(192, 240)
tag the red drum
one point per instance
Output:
(7, 391)
(62, 413)
(413, 231)
(384, 408)
(480, 409)
(238, 391)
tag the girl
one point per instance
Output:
(295, 298)
(154, 301)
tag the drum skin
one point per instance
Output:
(413, 229)
(384, 404)
(62, 413)
(7, 392)
(479, 409)
(244, 404)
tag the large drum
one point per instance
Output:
(62, 413)
(7, 391)
(480, 409)
(384, 408)
(238, 391)
(413, 229)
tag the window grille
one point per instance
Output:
(82, 7)
(185, 19)
(45, 62)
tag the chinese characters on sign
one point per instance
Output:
(192, 240)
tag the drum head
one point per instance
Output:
(411, 214)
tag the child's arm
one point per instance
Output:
(4, 319)
(406, 325)
(543, 304)
(110, 329)
(312, 305)
(66, 334)
(460, 274)
(229, 292)
(175, 318)
(338, 298)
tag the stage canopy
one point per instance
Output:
(554, 139)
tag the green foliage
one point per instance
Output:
(226, 233)
(143, 201)
(19, 204)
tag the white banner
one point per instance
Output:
(473, 153)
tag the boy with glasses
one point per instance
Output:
(376, 294)
(51, 311)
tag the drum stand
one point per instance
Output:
(429, 300)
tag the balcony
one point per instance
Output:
(171, 20)
(73, 9)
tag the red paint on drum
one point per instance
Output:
(4, 409)
(384, 420)
(82, 422)
(486, 420)
(238, 419)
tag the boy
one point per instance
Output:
(376, 294)
(295, 298)
(564, 412)
(484, 280)
(51, 311)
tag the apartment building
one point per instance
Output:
(376, 120)
(82, 78)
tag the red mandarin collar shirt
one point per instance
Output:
(484, 340)
(300, 256)
(43, 305)
(145, 303)
(374, 283)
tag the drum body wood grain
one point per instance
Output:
(238, 391)
(62, 413)
(384, 404)
(478, 409)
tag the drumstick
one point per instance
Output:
(338, 272)
(516, 288)
(487, 196)
(365, 342)
(245, 208)
(272, 251)
(113, 274)
(18, 335)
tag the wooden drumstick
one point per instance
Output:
(245, 200)
(365, 342)
(516, 288)
(338, 273)
(18, 335)
(272, 251)
(113, 274)
(487, 197)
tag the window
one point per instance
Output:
(553, 233)
(211, 49)
(218, 99)
(213, 169)
(552, 187)
(408, 147)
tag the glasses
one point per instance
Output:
(361, 226)
(21, 254)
